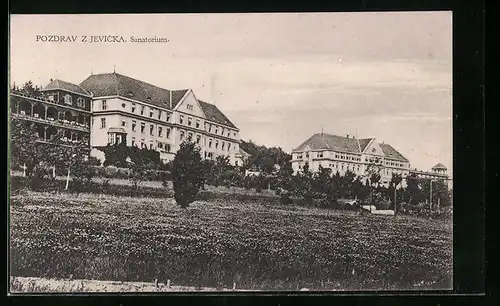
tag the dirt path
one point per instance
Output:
(36, 284)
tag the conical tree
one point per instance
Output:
(187, 173)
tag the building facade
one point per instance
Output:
(342, 154)
(147, 116)
(60, 110)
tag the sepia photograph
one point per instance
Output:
(237, 152)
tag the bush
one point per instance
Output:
(187, 173)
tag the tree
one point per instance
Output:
(304, 184)
(412, 192)
(30, 90)
(25, 151)
(187, 174)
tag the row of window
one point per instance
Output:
(68, 99)
(152, 112)
(336, 155)
(213, 128)
(394, 164)
(189, 121)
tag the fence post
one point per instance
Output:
(156, 283)
(168, 283)
(67, 180)
(234, 286)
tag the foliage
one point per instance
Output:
(120, 155)
(258, 247)
(264, 159)
(186, 170)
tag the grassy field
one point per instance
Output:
(218, 243)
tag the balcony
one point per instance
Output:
(82, 127)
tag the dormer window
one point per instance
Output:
(67, 99)
(149, 99)
(189, 107)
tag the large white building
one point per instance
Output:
(141, 114)
(342, 154)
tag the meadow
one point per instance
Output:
(218, 242)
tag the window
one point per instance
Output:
(182, 135)
(133, 125)
(198, 139)
(133, 107)
(216, 144)
(210, 128)
(190, 136)
(67, 99)
(104, 106)
(151, 129)
(228, 146)
(168, 117)
(228, 133)
(223, 145)
(216, 129)
(189, 106)
(168, 133)
(124, 123)
(151, 112)
(190, 121)
(103, 123)
(320, 154)
(151, 145)
(167, 147)
(159, 114)
(210, 143)
(111, 138)
(181, 119)
(197, 123)
(143, 127)
(124, 105)
(160, 145)
(142, 110)
(142, 143)
(160, 131)
(80, 102)
(133, 142)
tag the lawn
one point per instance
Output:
(221, 242)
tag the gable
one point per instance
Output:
(189, 105)
(374, 149)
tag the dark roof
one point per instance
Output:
(111, 84)
(62, 85)
(363, 143)
(439, 166)
(345, 144)
(212, 113)
(330, 142)
(392, 153)
(242, 152)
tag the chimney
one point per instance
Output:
(170, 99)
(347, 136)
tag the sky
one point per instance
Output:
(278, 77)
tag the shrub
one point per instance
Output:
(187, 173)
(110, 171)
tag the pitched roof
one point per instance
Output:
(363, 143)
(242, 152)
(439, 166)
(392, 153)
(213, 113)
(67, 86)
(345, 144)
(330, 142)
(111, 84)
